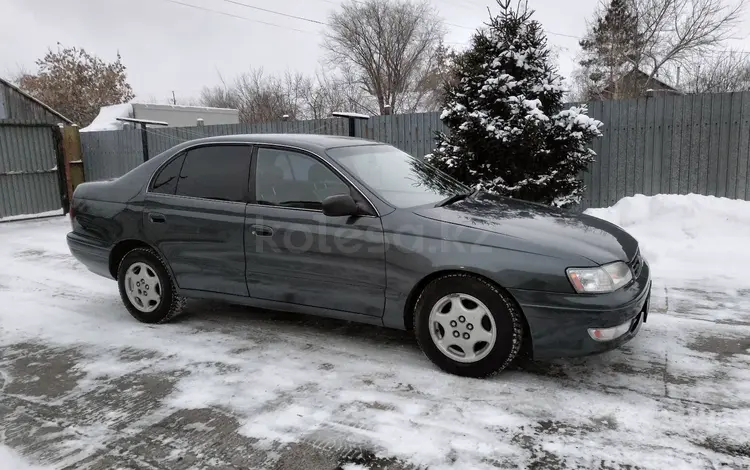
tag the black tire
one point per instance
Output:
(506, 315)
(170, 305)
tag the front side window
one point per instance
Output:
(292, 179)
(399, 178)
(217, 172)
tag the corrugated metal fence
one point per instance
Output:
(29, 178)
(412, 133)
(109, 154)
(671, 145)
(663, 144)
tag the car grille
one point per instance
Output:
(636, 264)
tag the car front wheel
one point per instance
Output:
(146, 288)
(467, 326)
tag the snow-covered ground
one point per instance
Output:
(10, 460)
(83, 385)
(10, 218)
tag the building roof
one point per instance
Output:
(29, 97)
(658, 85)
(661, 85)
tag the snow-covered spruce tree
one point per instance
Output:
(508, 131)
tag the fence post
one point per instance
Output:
(72, 159)
(144, 141)
(63, 184)
(352, 117)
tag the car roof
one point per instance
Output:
(312, 142)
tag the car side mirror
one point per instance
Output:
(340, 205)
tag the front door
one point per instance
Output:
(195, 216)
(296, 254)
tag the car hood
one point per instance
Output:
(550, 231)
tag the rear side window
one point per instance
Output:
(166, 180)
(215, 172)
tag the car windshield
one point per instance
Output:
(399, 178)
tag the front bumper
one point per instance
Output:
(559, 323)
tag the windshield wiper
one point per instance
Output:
(457, 197)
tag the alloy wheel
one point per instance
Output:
(462, 328)
(143, 287)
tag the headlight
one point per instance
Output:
(607, 278)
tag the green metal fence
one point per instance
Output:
(662, 144)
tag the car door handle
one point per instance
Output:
(157, 218)
(262, 230)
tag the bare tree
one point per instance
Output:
(389, 47)
(267, 97)
(78, 84)
(582, 87)
(260, 97)
(724, 72)
(675, 31)
(16, 75)
(220, 96)
(623, 53)
(325, 94)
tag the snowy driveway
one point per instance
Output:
(83, 385)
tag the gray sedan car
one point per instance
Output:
(361, 231)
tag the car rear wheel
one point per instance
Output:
(467, 326)
(146, 288)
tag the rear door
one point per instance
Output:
(195, 216)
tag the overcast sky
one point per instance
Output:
(171, 47)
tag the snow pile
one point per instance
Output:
(353, 466)
(688, 237)
(106, 120)
(11, 461)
